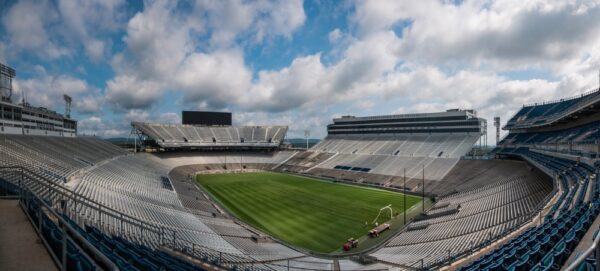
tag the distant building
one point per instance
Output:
(25, 119)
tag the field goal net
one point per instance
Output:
(383, 210)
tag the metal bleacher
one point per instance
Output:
(391, 155)
(481, 215)
(124, 199)
(548, 245)
(181, 136)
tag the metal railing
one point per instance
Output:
(440, 261)
(85, 211)
(38, 211)
(585, 99)
(593, 249)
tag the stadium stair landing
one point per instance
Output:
(20, 248)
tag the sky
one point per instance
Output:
(296, 63)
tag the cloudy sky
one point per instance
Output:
(296, 63)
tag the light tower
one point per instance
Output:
(497, 125)
(68, 101)
(306, 135)
(6, 76)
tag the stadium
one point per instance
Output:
(265, 135)
(378, 193)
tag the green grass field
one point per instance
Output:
(315, 215)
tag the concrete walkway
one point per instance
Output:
(20, 246)
(585, 243)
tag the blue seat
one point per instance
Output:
(560, 251)
(497, 264)
(570, 239)
(510, 255)
(535, 253)
(547, 262)
(84, 265)
(545, 243)
(523, 262)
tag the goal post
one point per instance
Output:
(382, 210)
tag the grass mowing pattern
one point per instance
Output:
(312, 214)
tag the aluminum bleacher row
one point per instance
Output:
(125, 198)
(548, 245)
(90, 249)
(586, 133)
(545, 113)
(133, 185)
(379, 159)
(56, 158)
(179, 135)
(458, 224)
(143, 203)
(416, 145)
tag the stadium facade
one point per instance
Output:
(452, 121)
(95, 205)
(24, 119)
(380, 150)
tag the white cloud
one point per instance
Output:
(162, 51)
(307, 81)
(27, 23)
(126, 92)
(255, 20)
(169, 117)
(213, 80)
(334, 35)
(504, 32)
(88, 104)
(89, 21)
(428, 56)
(56, 29)
(96, 126)
(48, 90)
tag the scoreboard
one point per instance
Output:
(206, 118)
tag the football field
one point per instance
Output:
(312, 214)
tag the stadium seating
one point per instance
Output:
(547, 246)
(124, 254)
(485, 214)
(56, 158)
(177, 135)
(426, 145)
(586, 133)
(146, 204)
(130, 256)
(377, 159)
(546, 113)
(137, 188)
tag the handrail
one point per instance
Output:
(591, 249)
(586, 93)
(585, 97)
(74, 196)
(523, 220)
(166, 234)
(24, 188)
(584, 255)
